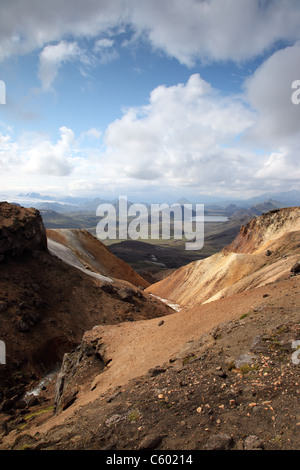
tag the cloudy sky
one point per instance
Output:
(154, 99)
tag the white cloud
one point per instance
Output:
(30, 25)
(93, 133)
(80, 185)
(187, 30)
(46, 158)
(185, 137)
(217, 29)
(52, 57)
(34, 154)
(276, 127)
(103, 48)
(269, 91)
(281, 166)
(103, 43)
(188, 137)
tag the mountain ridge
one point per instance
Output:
(258, 243)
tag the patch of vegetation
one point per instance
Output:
(33, 415)
(25, 447)
(188, 358)
(134, 415)
(245, 315)
(246, 368)
(231, 366)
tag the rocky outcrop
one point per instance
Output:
(257, 234)
(79, 366)
(21, 231)
(295, 269)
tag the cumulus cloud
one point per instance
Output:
(190, 136)
(188, 31)
(281, 167)
(8, 149)
(34, 154)
(186, 135)
(46, 158)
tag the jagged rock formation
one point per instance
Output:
(21, 230)
(80, 365)
(260, 232)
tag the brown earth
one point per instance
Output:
(211, 378)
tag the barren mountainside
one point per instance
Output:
(93, 254)
(134, 374)
(264, 251)
(46, 305)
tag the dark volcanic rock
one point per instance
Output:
(219, 442)
(296, 268)
(21, 230)
(150, 442)
(253, 443)
(87, 357)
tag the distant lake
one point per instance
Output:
(211, 218)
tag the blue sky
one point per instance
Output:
(149, 99)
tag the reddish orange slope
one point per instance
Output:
(264, 251)
(95, 255)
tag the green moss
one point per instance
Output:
(231, 366)
(243, 316)
(134, 415)
(32, 415)
(187, 359)
(246, 368)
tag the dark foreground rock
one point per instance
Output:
(21, 231)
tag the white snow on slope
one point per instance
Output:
(67, 256)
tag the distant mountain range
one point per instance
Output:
(74, 204)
